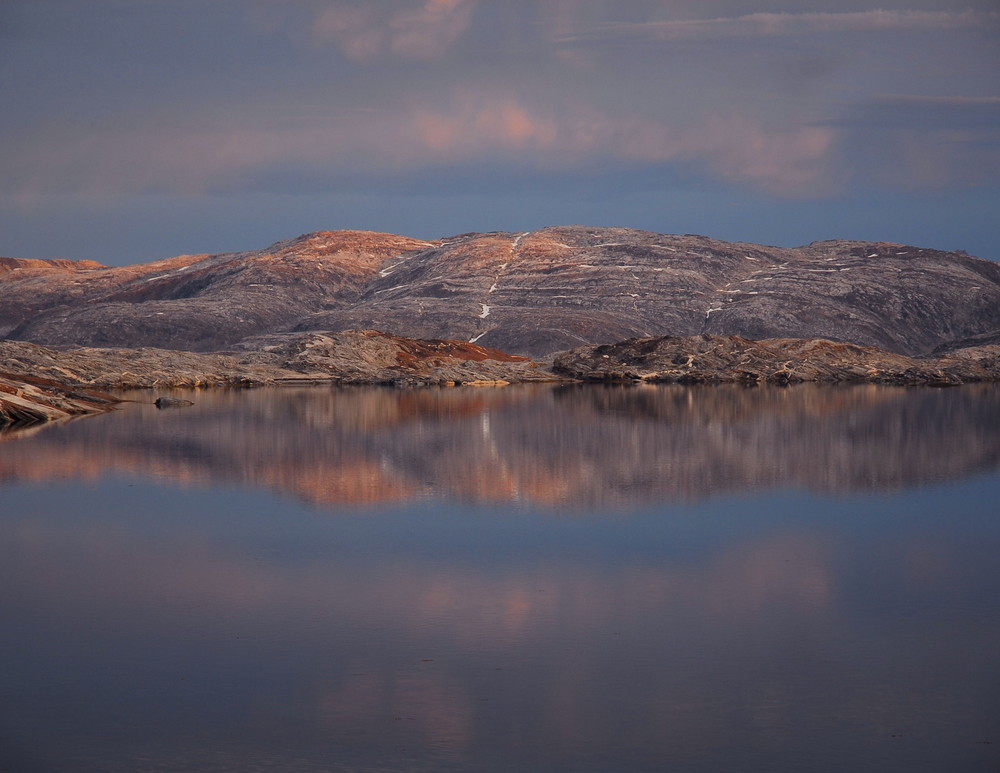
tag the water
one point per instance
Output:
(585, 579)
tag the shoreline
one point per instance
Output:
(41, 384)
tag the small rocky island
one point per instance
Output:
(565, 303)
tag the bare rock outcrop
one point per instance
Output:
(531, 293)
(352, 357)
(145, 368)
(26, 400)
(713, 359)
(374, 357)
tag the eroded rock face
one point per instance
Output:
(533, 293)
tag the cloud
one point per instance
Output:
(479, 125)
(472, 129)
(789, 160)
(365, 32)
(758, 25)
(735, 146)
(765, 117)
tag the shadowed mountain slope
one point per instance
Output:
(532, 293)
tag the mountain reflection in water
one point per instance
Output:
(164, 612)
(565, 446)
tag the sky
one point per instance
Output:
(133, 130)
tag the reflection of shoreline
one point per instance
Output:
(563, 446)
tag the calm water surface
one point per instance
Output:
(570, 579)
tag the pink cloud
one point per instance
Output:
(472, 126)
(480, 125)
(736, 147)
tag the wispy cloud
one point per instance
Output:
(367, 31)
(757, 25)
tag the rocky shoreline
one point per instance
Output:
(26, 400)
(43, 384)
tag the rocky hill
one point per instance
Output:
(373, 357)
(532, 293)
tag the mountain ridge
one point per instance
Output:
(531, 293)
